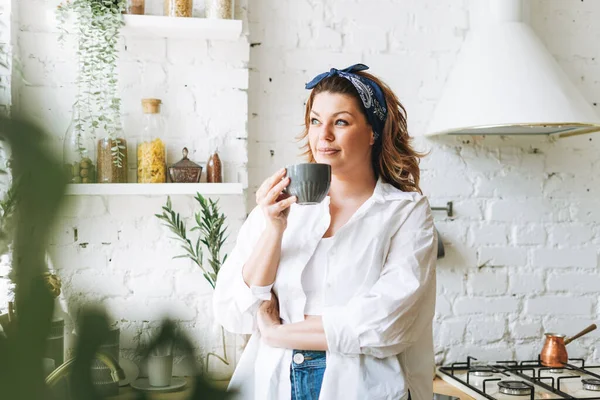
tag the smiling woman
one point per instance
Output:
(392, 157)
(339, 295)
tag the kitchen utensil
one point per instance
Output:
(580, 334)
(554, 353)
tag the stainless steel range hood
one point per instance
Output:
(505, 82)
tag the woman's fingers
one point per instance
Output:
(268, 184)
(281, 206)
(285, 203)
(274, 193)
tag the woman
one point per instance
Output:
(353, 278)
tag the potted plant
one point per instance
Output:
(210, 223)
(97, 107)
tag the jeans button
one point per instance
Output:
(298, 358)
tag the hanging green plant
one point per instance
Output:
(97, 104)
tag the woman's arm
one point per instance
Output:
(306, 335)
(261, 268)
(254, 259)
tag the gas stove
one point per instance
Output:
(525, 380)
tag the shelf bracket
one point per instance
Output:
(449, 209)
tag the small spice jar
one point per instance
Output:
(185, 171)
(178, 8)
(214, 169)
(219, 9)
(136, 7)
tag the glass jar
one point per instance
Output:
(151, 152)
(219, 9)
(214, 169)
(78, 153)
(185, 171)
(112, 166)
(136, 7)
(178, 8)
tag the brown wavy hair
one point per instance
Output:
(392, 156)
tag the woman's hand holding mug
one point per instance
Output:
(274, 203)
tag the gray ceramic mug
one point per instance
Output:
(309, 182)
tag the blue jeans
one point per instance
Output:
(306, 374)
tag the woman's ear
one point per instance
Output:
(372, 141)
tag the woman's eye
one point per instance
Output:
(341, 122)
(314, 121)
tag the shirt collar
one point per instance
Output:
(385, 192)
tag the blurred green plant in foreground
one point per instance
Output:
(40, 193)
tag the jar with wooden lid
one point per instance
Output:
(151, 151)
(135, 7)
(178, 8)
(219, 9)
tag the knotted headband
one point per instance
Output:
(370, 93)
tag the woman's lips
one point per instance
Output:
(328, 152)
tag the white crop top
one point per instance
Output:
(313, 278)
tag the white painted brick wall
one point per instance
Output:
(559, 305)
(527, 206)
(113, 250)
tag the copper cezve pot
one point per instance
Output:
(554, 354)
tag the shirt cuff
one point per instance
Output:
(262, 292)
(244, 298)
(340, 336)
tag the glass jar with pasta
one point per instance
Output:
(178, 8)
(151, 152)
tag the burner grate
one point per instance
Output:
(515, 388)
(525, 379)
(591, 384)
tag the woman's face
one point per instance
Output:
(339, 134)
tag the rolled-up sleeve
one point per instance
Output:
(234, 303)
(393, 313)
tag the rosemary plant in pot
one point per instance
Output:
(210, 223)
(97, 107)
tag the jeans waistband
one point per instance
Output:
(309, 359)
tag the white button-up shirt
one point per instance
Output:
(378, 305)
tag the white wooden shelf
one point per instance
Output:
(153, 189)
(174, 27)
